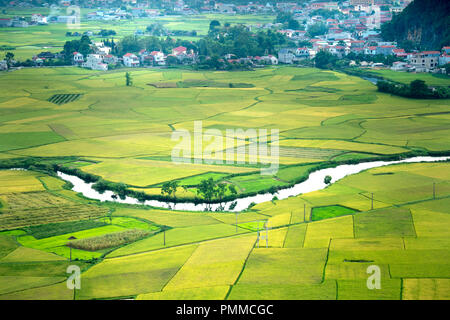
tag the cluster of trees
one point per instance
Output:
(288, 21)
(317, 29)
(150, 43)
(83, 46)
(107, 33)
(416, 89)
(208, 189)
(156, 29)
(238, 40)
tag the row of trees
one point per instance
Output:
(416, 89)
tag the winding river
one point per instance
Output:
(314, 182)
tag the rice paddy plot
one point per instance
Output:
(319, 213)
(214, 263)
(323, 291)
(320, 233)
(295, 236)
(24, 218)
(426, 289)
(133, 275)
(384, 223)
(9, 284)
(284, 266)
(358, 290)
(18, 181)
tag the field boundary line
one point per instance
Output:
(326, 261)
(38, 287)
(242, 271)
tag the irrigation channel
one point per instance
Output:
(314, 182)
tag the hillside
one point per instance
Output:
(424, 24)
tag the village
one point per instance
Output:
(348, 30)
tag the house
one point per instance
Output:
(179, 50)
(371, 50)
(38, 18)
(38, 61)
(77, 58)
(444, 59)
(400, 53)
(46, 55)
(110, 59)
(446, 50)
(286, 55)
(5, 22)
(100, 48)
(425, 61)
(339, 51)
(95, 62)
(131, 60)
(158, 57)
(19, 23)
(400, 66)
(269, 59)
(302, 53)
(385, 50)
(3, 65)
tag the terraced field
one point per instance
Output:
(319, 244)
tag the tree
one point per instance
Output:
(171, 61)
(128, 79)
(327, 180)
(293, 24)
(206, 189)
(324, 60)
(9, 57)
(214, 25)
(419, 89)
(317, 29)
(170, 188)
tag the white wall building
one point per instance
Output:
(131, 60)
(95, 62)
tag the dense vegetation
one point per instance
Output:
(424, 24)
(416, 89)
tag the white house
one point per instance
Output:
(3, 65)
(95, 62)
(77, 58)
(179, 50)
(130, 60)
(158, 57)
(400, 66)
(102, 49)
(38, 18)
